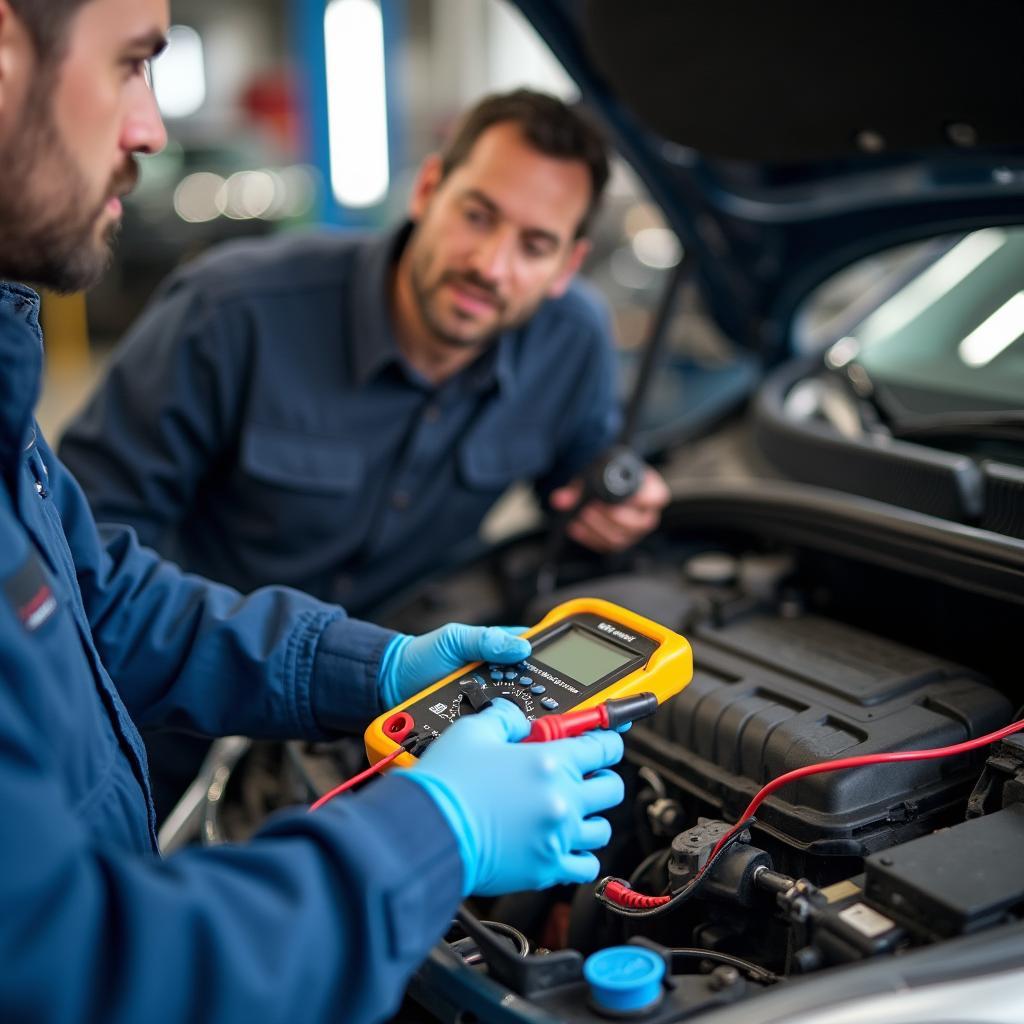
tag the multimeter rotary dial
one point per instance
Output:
(489, 683)
(525, 703)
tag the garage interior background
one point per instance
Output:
(287, 114)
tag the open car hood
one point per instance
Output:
(783, 142)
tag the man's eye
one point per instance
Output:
(476, 216)
(536, 250)
(136, 67)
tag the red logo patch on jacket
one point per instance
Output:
(30, 593)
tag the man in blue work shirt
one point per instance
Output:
(322, 916)
(338, 413)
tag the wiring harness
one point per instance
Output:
(620, 898)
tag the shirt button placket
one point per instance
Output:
(401, 498)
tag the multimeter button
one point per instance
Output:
(524, 681)
(549, 702)
(496, 675)
(511, 675)
(539, 688)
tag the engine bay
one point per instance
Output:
(807, 649)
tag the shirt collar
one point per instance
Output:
(373, 343)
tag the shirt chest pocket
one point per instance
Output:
(301, 464)
(492, 461)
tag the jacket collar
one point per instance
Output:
(21, 367)
(373, 343)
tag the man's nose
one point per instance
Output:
(493, 256)
(143, 129)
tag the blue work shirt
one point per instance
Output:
(322, 917)
(260, 425)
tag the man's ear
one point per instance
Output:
(427, 179)
(580, 249)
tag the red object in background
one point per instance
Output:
(271, 101)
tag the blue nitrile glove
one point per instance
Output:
(521, 812)
(412, 662)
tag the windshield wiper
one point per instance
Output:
(990, 426)
(994, 425)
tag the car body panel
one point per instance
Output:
(771, 219)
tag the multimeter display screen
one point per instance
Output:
(582, 656)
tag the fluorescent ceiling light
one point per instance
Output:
(927, 288)
(356, 102)
(995, 334)
(179, 73)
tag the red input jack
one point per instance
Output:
(398, 726)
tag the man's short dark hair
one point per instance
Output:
(47, 23)
(548, 125)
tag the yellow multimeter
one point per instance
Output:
(584, 652)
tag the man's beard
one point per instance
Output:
(425, 292)
(47, 217)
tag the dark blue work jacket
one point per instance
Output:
(321, 917)
(260, 425)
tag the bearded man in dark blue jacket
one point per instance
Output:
(322, 916)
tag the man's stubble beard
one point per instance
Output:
(45, 237)
(424, 292)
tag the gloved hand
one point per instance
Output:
(413, 662)
(521, 812)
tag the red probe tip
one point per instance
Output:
(621, 893)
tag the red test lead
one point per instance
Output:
(618, 895)
(609, 715)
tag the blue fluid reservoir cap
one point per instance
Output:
(623, 979)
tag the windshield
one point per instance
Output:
(938, 326)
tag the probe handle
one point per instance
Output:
(609, 715)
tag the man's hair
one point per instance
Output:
(47, 23)
(547, 124)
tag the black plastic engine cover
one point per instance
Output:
(770, 694)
